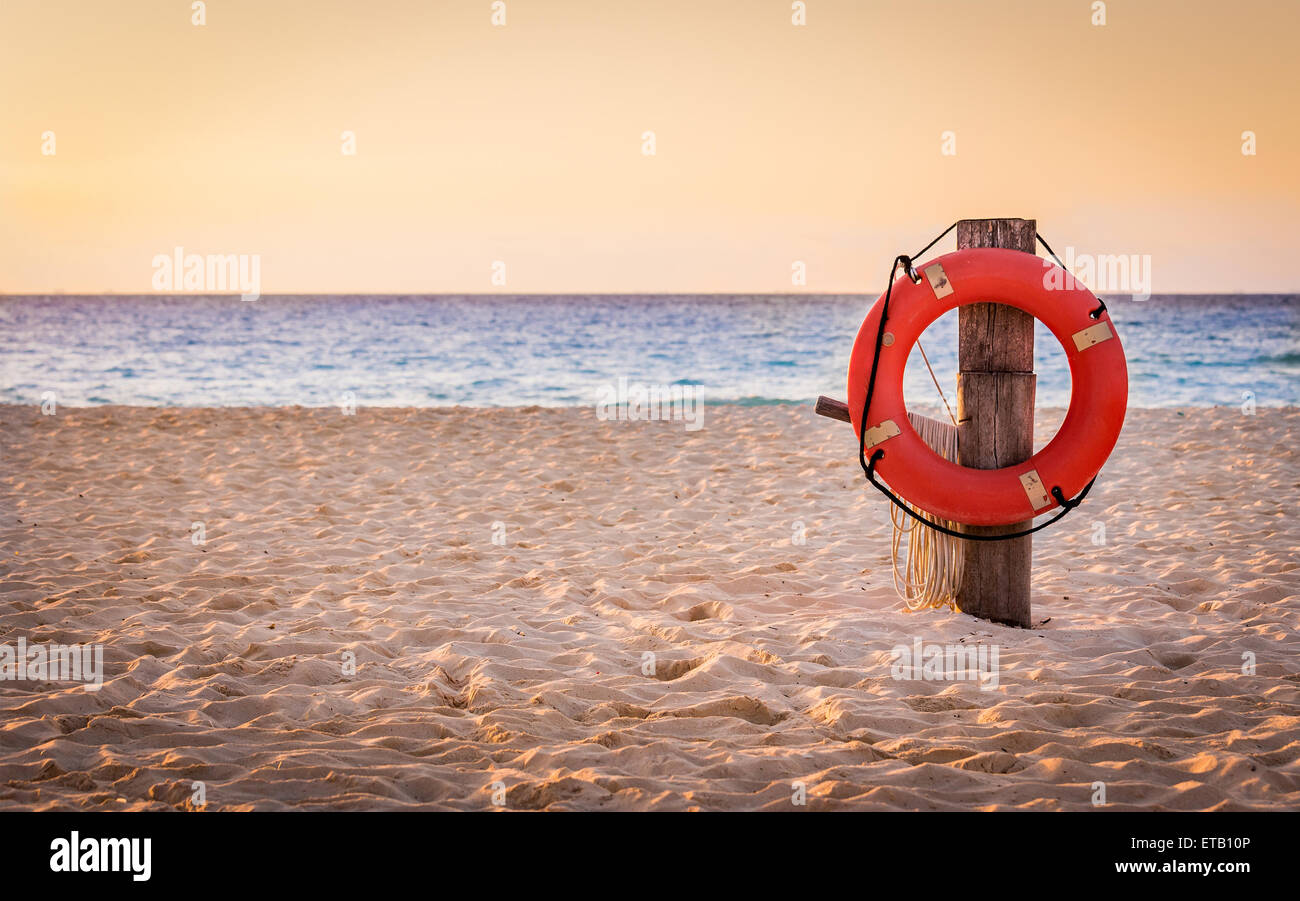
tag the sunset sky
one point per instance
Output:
(522, 143)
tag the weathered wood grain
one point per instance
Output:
(995, 401)
(835, 409)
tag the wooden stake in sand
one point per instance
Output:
(995, 422)
(835, 409)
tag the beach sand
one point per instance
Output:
(515, 670)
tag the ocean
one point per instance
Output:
(1183, 350)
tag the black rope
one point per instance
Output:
(1057, 494)
(1049, 250)
(869, 467)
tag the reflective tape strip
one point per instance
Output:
(1033, 485)
(1093, 335)
(878, 434)
(938, 280)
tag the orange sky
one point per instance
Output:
(522, 143)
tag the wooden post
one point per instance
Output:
(995, 413)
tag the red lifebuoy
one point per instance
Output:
(1098, 387)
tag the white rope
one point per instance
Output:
(932, 571)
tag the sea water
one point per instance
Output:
(559, 350)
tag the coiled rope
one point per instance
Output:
(932, 563)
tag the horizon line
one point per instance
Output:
(235, 294)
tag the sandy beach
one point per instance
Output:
(557, 612)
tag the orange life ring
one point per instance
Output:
(1098, 387)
